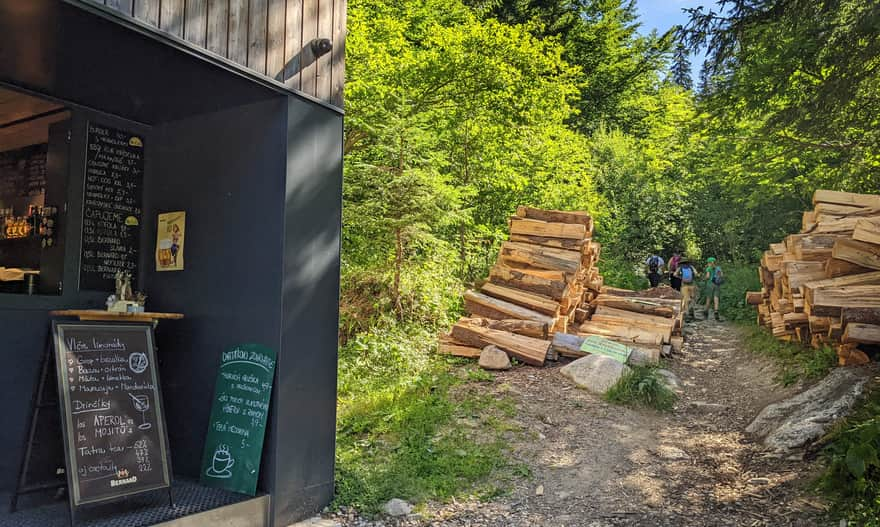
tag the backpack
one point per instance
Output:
(654, 264)
(718, 277)
(687, 273)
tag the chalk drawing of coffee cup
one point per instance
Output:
(222, 463)
(137, 362)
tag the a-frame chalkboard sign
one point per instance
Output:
(112, 417)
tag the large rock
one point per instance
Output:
(670, 380)
(595, 373)
(492, 358)
(800, 420)
(397, 507)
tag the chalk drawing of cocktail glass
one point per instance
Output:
(141, 403)
(221, 464)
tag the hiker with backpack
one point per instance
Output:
(686, 275)
(674, 262)
(654, 264)
(714, 278)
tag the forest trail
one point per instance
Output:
(594, 464)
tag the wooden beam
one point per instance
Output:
(485, 306)
(859, 253)
(857, 333)
(550, 230)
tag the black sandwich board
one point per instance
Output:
(112, 418)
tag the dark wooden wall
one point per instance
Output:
(271, 37)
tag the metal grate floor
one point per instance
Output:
(140, 511)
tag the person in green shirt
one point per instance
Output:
(714, 278)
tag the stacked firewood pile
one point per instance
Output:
(822, 286)
(544, 296)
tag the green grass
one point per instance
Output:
(413, 425)
(642, 387)
(852, 455)
(796, 362)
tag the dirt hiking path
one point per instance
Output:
(595, 464)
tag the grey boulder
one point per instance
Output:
(595, 373)
(800, 420)
(493, 358)
(397, 507)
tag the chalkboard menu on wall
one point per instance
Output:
(22, 176)
(111, 411)
(112, 206)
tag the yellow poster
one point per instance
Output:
(169, 241)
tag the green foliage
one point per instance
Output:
(852, 454)
(395, 431)
(738, 280)
(642, 386)
(796, 362)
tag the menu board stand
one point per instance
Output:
(107, 386)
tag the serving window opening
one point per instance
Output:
(34, 138)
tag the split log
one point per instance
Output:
(846, 198)
(792, 320)
(850, 355)
(559, 243)
(528, 328)
(546, 229)
(835, 332)
(621, 332)
(677, 343)
(869, 278)
(450, 346)
(635, 305)
(636, 318)
(754, 298)
(539, 303)
(527, 349)
(857, 333)
(487, 307)
(828, 301)
(835, 268)
(556, 216)
(839, 210)
(821, 324)
(859, 253)
(539, 256)
(864, 315)
(777, 248)
(867, 231)
(550, 284)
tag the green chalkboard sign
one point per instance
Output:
(234, 444)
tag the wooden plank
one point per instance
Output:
(867, 230)
(147, 11)
(123, 6)
(556, 216)
(864, 315)
(859, 253)
(637, 305)
(754, 298)
(171, 14)
(195, 28)
(309, 74)
(237, 47)
(622, 333)
(539, 303)
(275, 45)
(534, 282)
(217, 26)
(637, 318)
(325, 30)
(488, 307)
(529, 350)
(846, 198)
(550, 230)
(558, 243)
(570, 346)
(839, 210)
(293, 33)
(858, 333)
(338, 68)
(258, 25)
(513, 253)
(528, 328)
(828, 301)
(835, 268)
(449, 346)
(870, 278)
